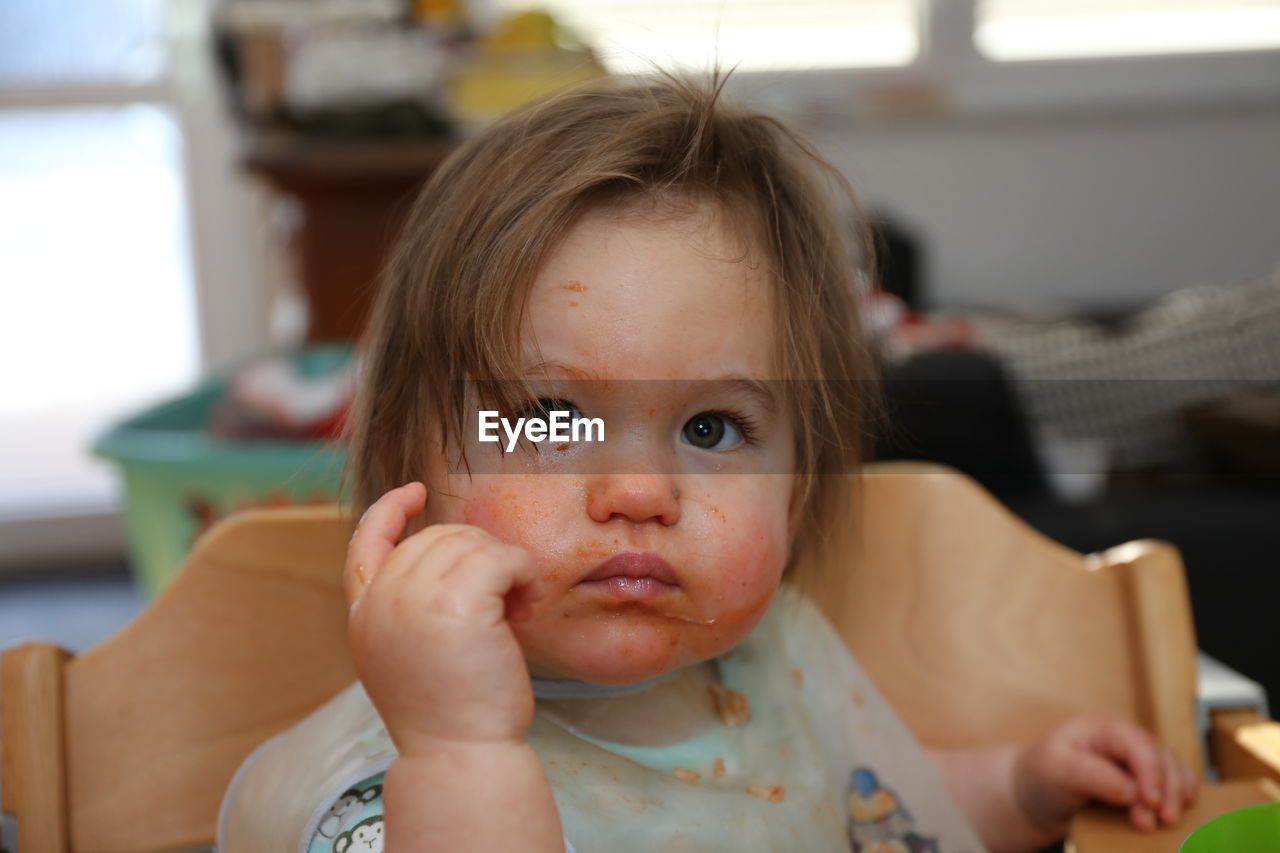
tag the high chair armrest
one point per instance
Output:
(1244, 744)
(33, 781)
(1102, 829)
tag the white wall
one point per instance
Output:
(1099, 208)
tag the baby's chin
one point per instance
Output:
(624, 648)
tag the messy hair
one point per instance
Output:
(453, 293)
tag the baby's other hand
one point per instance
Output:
(1106, 758)
(429, 631)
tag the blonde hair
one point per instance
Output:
(453, 293)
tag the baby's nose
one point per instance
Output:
(634, 497)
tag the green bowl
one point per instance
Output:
(1255, 829)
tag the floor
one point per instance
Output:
(74, 608)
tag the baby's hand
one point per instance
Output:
(1100, 757)
(429, 631)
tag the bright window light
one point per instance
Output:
(1008, 30)
(81, 41)
(97, 310)
(755, 35)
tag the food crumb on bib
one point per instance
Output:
(732, 706)
(797, 675)
(717, 769)
(684, 774)
(772, 793)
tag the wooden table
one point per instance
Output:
(1104, 830)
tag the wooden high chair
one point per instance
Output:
(977, 628)
(980, 630)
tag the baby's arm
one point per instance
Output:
(1022, 798)
(432, 645)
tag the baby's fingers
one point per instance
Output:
(1191, 788)
(489, 584)
(1093, 777)
(376, 535)
(497, 574)
(1133, 748)
(1179, 788)
(1088, 776)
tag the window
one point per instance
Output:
(755, 35)
(97, 311)
(1008, 30)
(63, 41)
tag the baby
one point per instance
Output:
(596, 644)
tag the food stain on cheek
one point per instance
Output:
(502, 512)
(574, 285)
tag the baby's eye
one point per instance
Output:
(711, 431)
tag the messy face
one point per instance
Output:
(662, 545)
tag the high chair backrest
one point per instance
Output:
(980, 630)
(977, 628)
(128, 747)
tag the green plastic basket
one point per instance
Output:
(179, 479)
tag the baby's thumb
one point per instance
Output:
(376, 536)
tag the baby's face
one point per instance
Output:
(662, 328)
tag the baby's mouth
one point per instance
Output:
(632, 576)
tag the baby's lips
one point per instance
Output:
(634, 564)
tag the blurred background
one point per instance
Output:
(1077, 206)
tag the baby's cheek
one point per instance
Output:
(752, 542)
(515, 510)
(746, 569)
(492, 509)
(501, 506)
